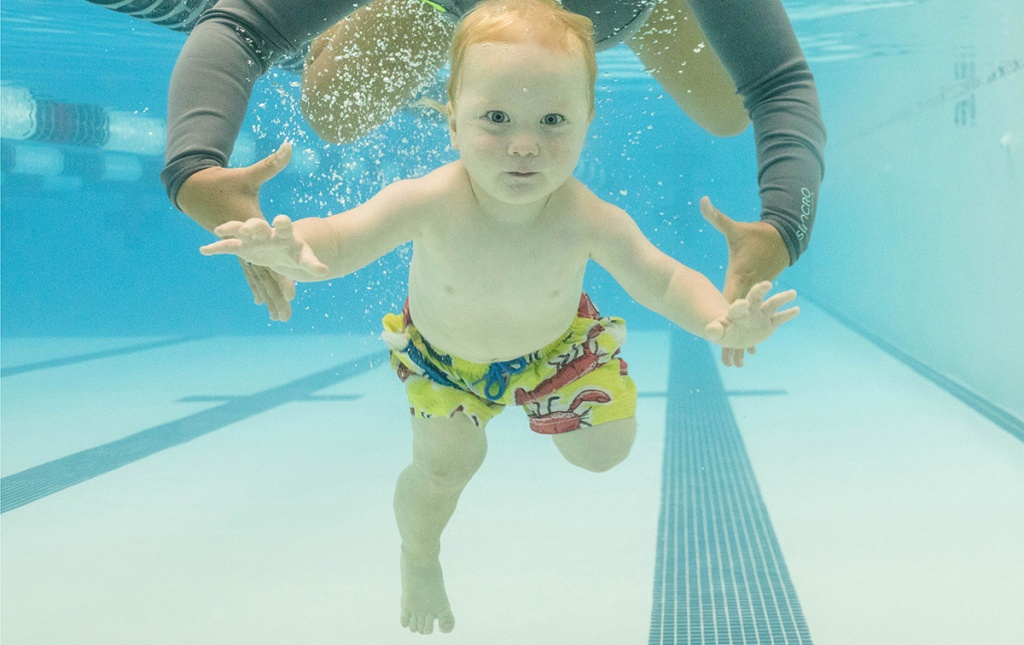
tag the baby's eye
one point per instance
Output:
(552, 119)
(496, 116)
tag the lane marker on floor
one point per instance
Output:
(720, 578)
(40, 481)
(92, 356)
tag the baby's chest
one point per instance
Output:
(547, 258)
(470, 264)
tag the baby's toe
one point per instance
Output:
(446, 623)
(421, 625)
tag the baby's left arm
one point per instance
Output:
(752, 319)
(677, 292)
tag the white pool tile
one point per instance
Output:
(892, 502)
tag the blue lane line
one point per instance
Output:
(46, 479)
(81, 358)
(213, 398)
(720, 578)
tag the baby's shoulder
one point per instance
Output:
(588, 208)
(435, 192)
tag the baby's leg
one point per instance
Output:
(598, 448)
(446, 453)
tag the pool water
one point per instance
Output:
(178, 468)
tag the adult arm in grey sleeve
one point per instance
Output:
(232, 45)
(755, 42)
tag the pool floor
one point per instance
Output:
(238, 490)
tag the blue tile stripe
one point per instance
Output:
(92, 356)
(720, 578)
(35, 483)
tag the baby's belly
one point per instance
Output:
(485, 332)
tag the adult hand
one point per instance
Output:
(214, 196)
(756, 254)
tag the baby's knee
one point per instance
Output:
(448, 452)
(599, 448)
(599, 463)
(453, 469)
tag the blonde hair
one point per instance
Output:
(511, 21)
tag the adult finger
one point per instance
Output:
(247, 271)
(757, 293)
(722, 222)
(265, 168)
(729, 356)
(277, 303)
(285, 284)
(259, 292)
(737, 357)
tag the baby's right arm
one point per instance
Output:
(276, 248)
(322, 248)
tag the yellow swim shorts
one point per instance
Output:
(577, 381)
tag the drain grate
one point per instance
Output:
(720, 578)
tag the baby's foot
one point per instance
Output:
(424, 599)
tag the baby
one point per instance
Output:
(495, 313)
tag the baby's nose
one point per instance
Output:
(523, 145)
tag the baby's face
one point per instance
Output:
(520, 119)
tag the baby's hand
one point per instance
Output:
(752, 319)
(275, 247)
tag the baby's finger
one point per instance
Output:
(221, 247)
(714, 331)
(776, 301)
(739, 309)
(785, 316)
(283, 227)
(256, 228)
(309, 262)
(227, 229)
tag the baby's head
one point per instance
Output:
(542, 22)
(521, 97)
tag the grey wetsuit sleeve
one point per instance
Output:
(232, 45)
(755, 42)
